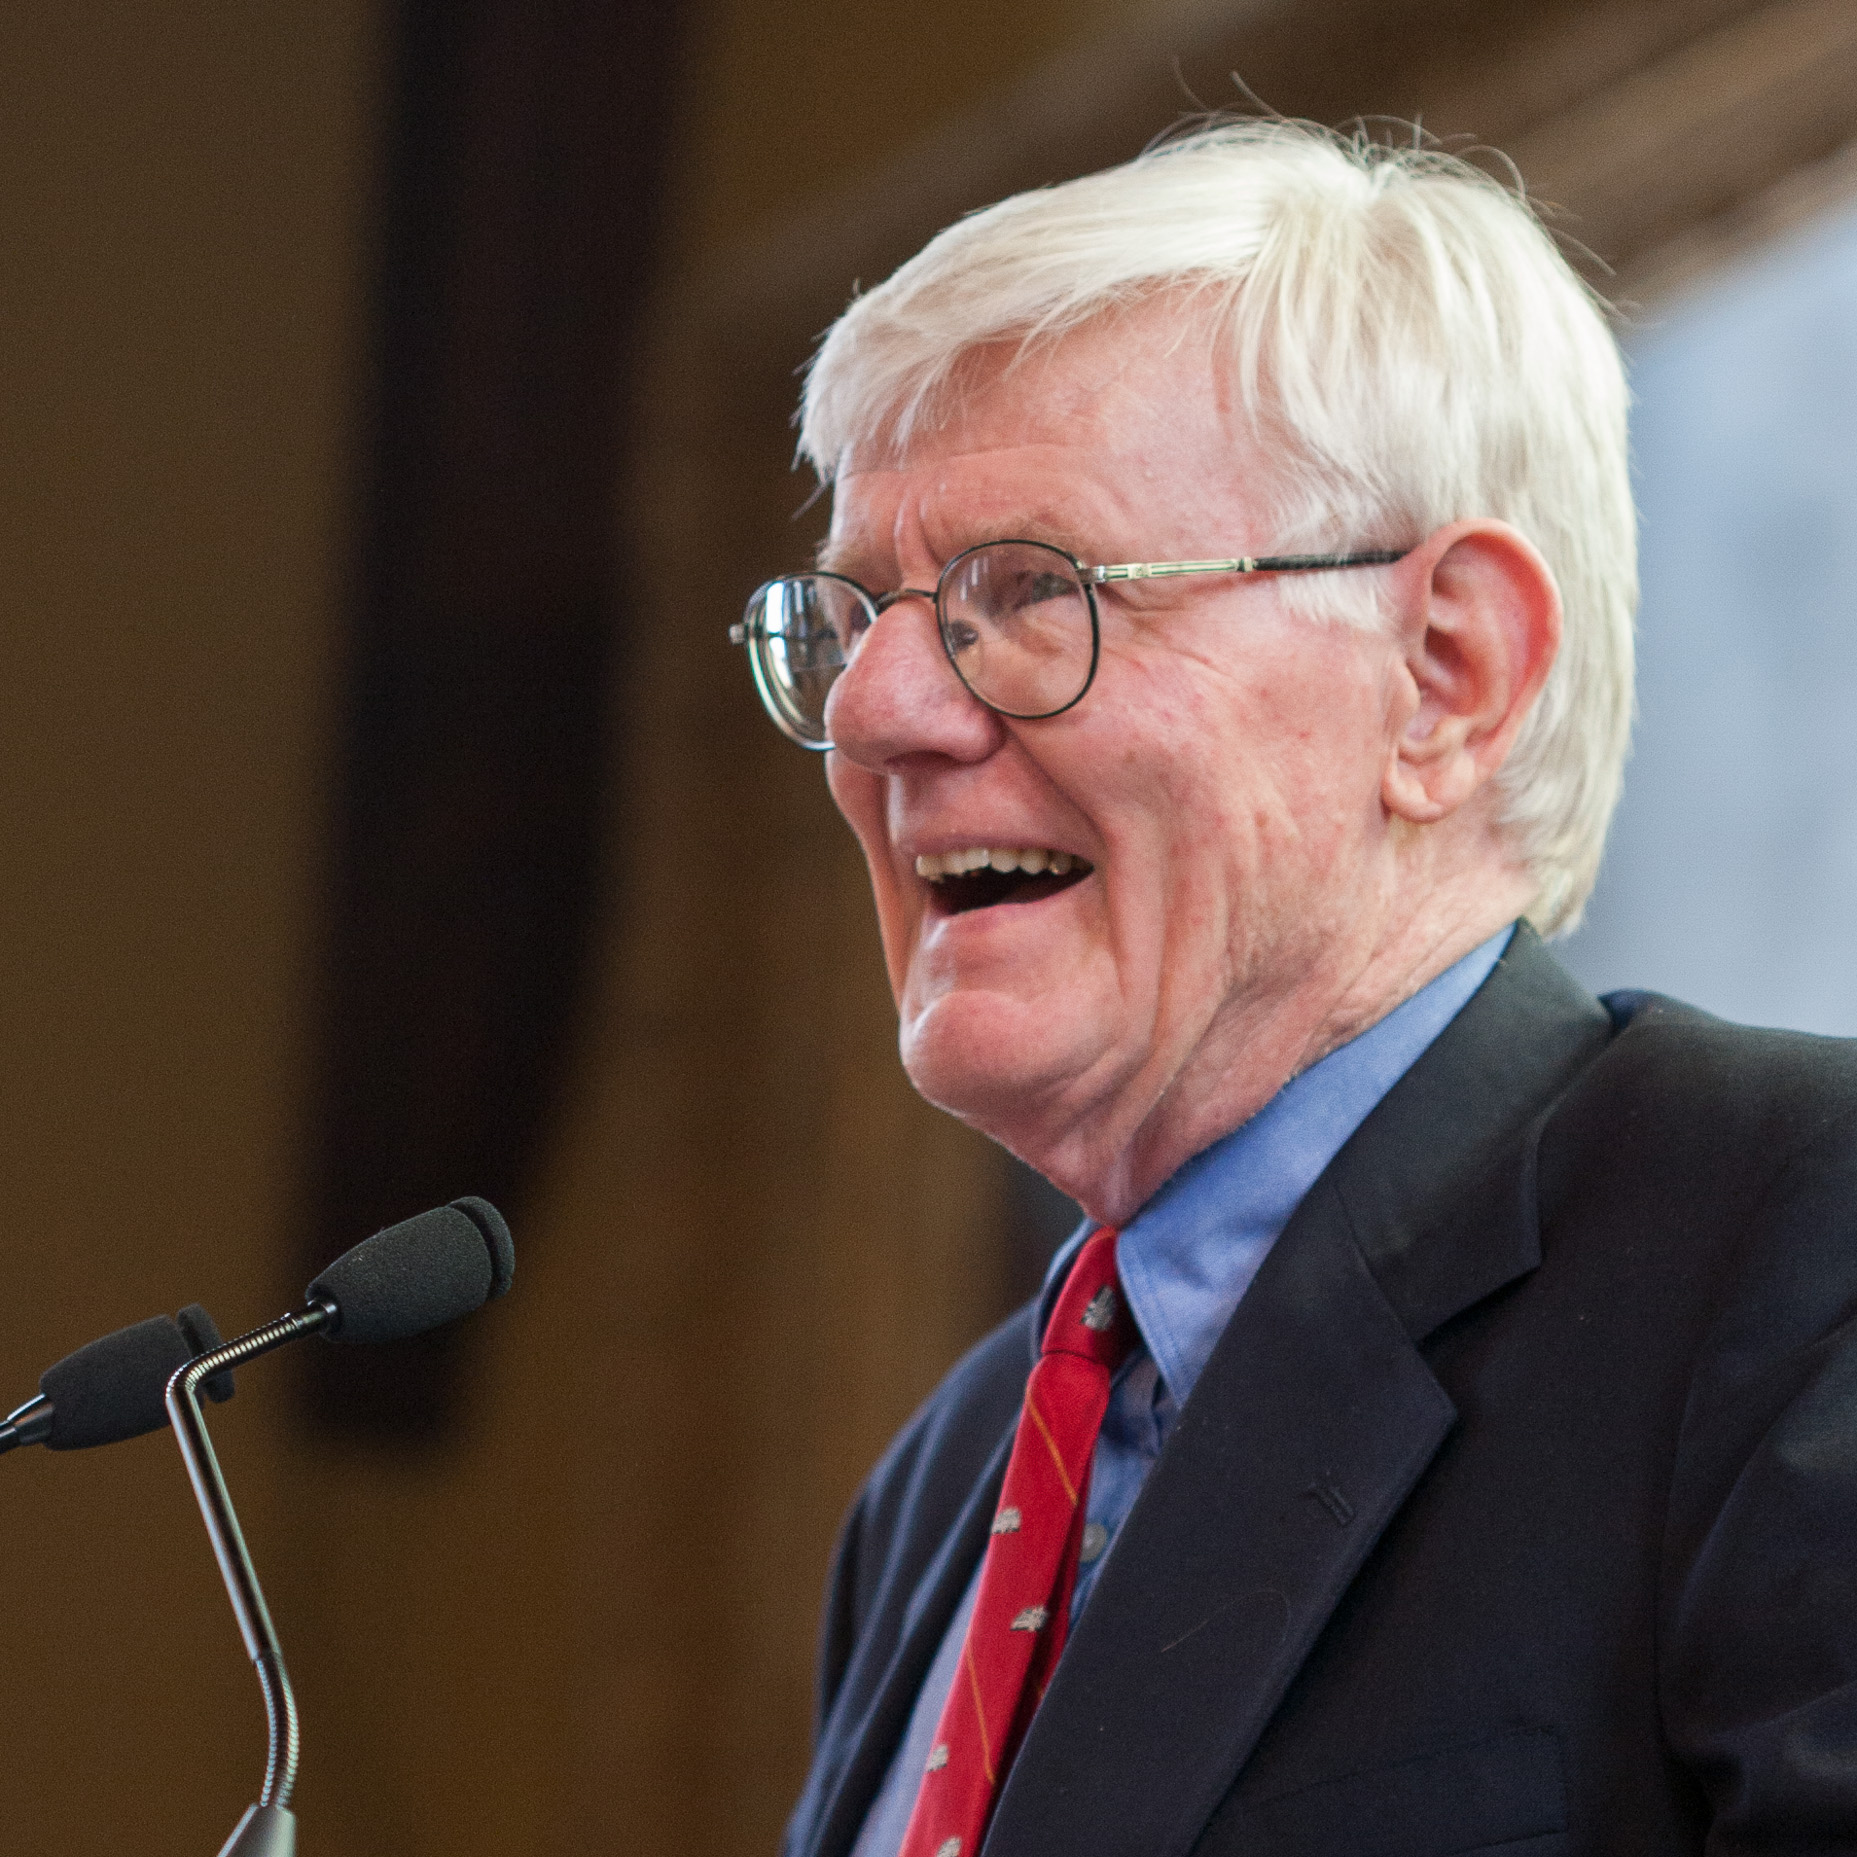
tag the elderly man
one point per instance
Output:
(1443, 1434)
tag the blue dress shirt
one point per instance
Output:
(1186, 1259)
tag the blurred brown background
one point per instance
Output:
(396, 403)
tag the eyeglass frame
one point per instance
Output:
(1089, 578)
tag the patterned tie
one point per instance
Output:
(1022, 1613)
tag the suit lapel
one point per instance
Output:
(1311, 1423)
(1308, 1429)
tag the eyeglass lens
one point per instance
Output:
(1015, 619)
(802, 631)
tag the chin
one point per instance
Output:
(991, 1060)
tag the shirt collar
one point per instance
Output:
(1188, 1256)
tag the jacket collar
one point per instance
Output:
(1438, 1185)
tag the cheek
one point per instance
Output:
(1211, 766)
(1260, 782)
(860, 798)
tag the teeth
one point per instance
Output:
(937, 865)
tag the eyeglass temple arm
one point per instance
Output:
(740, 632)
(1243, 564)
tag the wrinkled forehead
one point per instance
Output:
(1112, 435)
(1106, 380)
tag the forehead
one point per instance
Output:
(1112, 437)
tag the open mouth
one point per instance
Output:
(983, 875)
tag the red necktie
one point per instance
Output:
(1022, 1613)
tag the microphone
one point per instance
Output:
(419, 1274)
(112, 1388)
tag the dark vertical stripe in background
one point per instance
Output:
(523, 173)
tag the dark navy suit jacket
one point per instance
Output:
(1516, 1510)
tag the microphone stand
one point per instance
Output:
(268, 1829)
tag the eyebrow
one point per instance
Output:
(827, 558)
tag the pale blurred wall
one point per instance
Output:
(1730, 877)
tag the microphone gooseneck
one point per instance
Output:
(413, 1276)
(228, 1539)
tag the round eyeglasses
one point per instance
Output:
(1017, 619)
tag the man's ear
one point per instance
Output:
(1478, 626)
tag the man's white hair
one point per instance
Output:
(1407, 338)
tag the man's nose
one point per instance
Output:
(899, 695)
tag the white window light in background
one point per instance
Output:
(1731, 875)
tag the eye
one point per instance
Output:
(1046, 586)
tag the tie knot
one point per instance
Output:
(1090, 1316)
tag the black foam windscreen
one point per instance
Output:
(501, 1245)
(112, 1388)
(419, 1274)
